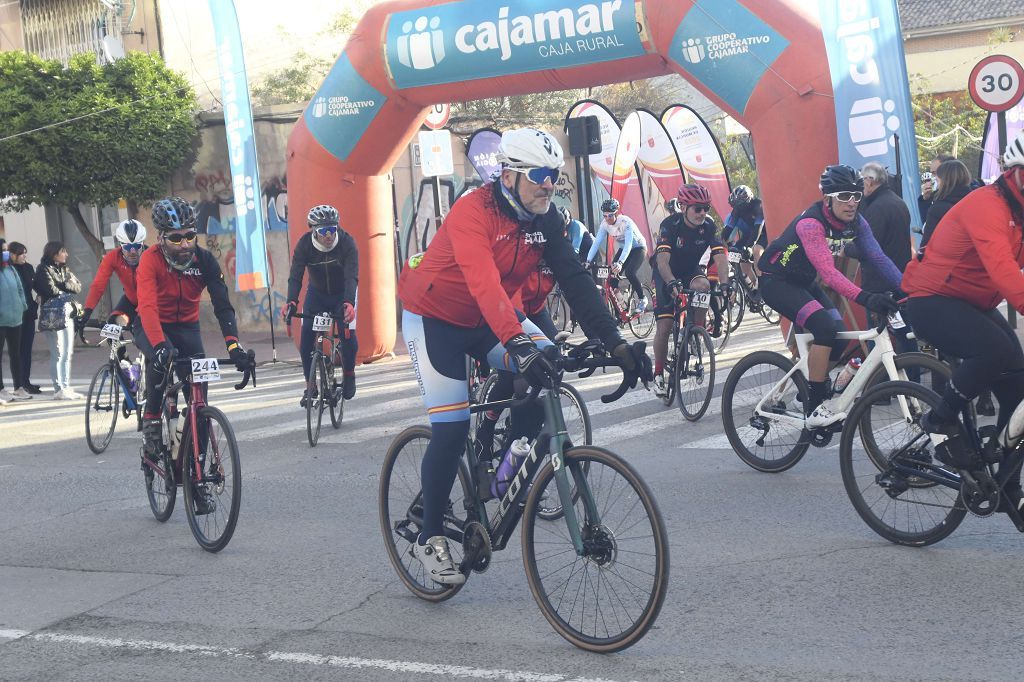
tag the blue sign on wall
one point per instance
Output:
(473, 39)
(872, 95)
(342, 109)
(727, 48)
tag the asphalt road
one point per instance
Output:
(772, 576)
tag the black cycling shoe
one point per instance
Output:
(955, 450)
(202, 500)
(350, 387)
(152, 439)
(984, 406)
(305, 398)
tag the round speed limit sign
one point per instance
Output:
(997, 83)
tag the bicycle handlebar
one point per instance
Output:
(248, 373)
(96, 324)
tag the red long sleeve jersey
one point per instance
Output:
(475, 264)
(167, 295)
(975, 254)
(113, 263)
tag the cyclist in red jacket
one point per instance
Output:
(171, 276)
(130, 236)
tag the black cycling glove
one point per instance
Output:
(882, 304)
(538, 369)
(82, 319)
(161, 356)
(635, 361)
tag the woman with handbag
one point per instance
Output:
(57, 286)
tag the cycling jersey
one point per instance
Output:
(167, 295)
(745, 225)
(807, 247)
(686, 245)
(977, 253)
(575, 231)
(113, 262)
(333, 272)
(626, 234)
(482, 255)
(534, 292)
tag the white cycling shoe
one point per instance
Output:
(660, 385)
(437, 560)
(823, 416)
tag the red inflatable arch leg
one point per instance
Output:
(763, 61)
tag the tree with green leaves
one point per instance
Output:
(90, 134)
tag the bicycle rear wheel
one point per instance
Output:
(608, 598)
(671, 362)
(764, 443)
(558, 309)
(219, 481)
(641, 324)
(314, 403)
(738, 305)
(770, 315)
(160, 490)
(695, 373)
(723, 324)
(903, 508)
(400, 507)
(101, 409)
(336, 388)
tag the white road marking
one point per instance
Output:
(297, 658)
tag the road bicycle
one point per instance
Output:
(690, 363)
(599, 573)
(326, 387)
(198, 452)
(744, 296)
(108, 385)
(622, 302)
(764, 395)
(897, 485)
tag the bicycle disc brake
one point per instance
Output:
(979, 492)
(476, 548)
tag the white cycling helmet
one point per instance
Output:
(529, 148)
(1014, 154)
(130, 232)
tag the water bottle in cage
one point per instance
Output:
(510, 464)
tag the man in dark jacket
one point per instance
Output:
(889, 219)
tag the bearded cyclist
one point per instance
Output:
(457, 302)
(683, 239)
(973, 262)
(331, 256)
(803, 252)
(171, 276)
(745, 226)
(629, 243)
(130, 236)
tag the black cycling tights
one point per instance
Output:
(985, 342)
(630, 267)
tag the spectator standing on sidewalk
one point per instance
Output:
(12, 306)
(19, 259)
(54, 278)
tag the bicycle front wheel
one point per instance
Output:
(400, 506)
(723, 323)
(101, 409)
(558, 309)
(695, 373)
(763, 442)
(609, 597)
(641, 324)
(902, 507)
(737, 304)
(160, 490)
(213, 494)
(314, 403)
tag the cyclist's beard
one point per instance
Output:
(180, 260)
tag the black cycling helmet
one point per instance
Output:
(841, 178)
(610, 206)
(173, 213)
(322, 216)
(741, 196)
(672, 206)
(566, 216)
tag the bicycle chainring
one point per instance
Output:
(476, 548)
(980, 493)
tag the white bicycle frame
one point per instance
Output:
(881, 354)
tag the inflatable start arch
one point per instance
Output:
(763, 61)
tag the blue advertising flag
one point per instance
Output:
(250, 246)
(872, 95)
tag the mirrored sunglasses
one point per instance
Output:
(611, 215)
(132, 248)
(189, 236)
(846, 196)
(538, 175)
(326, 230)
